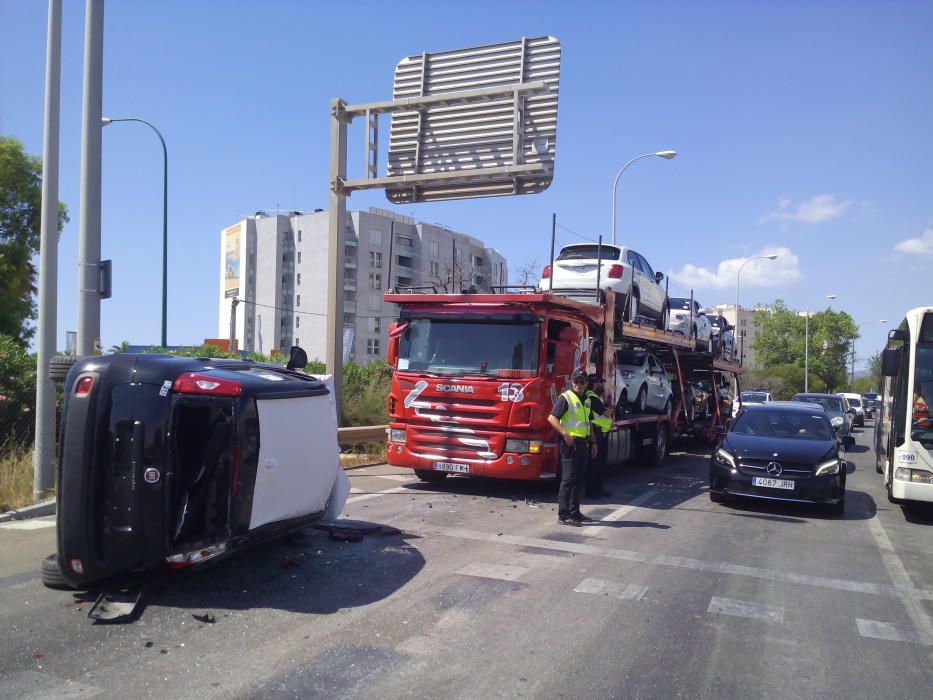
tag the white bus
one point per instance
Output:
(904, 429)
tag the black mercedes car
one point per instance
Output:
(783, 451)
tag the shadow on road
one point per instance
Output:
(858, 449)
(921, 514)
(859, 506)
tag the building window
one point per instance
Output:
(297, 300)
(296, 342)
(405, 241)
(375, 280)
(375, 302)
(376, 325)
(299, 278)
(375, 259)
(742, 323)
(375, 238)
(299, 235)
(435, 268)
(435, 249)
(372, 346)
(297, 321)
(299, 256)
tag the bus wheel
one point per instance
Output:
(430, 476)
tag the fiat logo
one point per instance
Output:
(151, 475)
(775, 468)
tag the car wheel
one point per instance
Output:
(430, 476)
(622, 405)
(641, 400)
(667, 408)
(633, 303)
(717, 497)
(52, 576)
(658, 450)
(665, 317)
(838, 508)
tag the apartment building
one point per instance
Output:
(276, 266)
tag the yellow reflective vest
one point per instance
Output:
(601, 422)
(576, 418)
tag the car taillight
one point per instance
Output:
(84, 386)
(547, 272)
(194, 383)
(615, 272)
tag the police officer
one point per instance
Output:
(601, 421)
(571, 419)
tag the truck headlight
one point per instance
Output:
(523, 446)
(724, 458)
(830, 466)
(396, 435)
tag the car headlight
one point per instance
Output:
(523, 446)
(916, 476)
(627, 374)
(396, 435)
(830, 466)
(837, 422)
(679, 317)
(724, 458)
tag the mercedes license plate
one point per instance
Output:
(452, 467)
(773, 483)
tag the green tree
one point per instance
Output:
(874, 372)
(20, 230)
(781, 341)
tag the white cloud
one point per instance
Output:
(780, 272)
(916, 246)
(822, 207)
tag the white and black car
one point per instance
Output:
(695, 325)
(619, 270)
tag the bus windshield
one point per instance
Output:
(921, 429)
(461, 346)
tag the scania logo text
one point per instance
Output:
(456, 388)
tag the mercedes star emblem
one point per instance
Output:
(775, 469)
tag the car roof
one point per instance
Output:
(816, 395)
(792, 406)
(850, 395)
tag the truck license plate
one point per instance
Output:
(452, 467)
(773, 483)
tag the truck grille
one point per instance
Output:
(455, 442)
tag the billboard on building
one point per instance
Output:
(232, 263)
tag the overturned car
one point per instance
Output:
(170, 462)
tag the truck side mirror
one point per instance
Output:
(395, 335)
(890, 359)
(297, 358)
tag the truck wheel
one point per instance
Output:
(657, 451)
(52, 577)
(430, 476)
(59, 366)
(641, 400)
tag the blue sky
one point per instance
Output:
(802, 128)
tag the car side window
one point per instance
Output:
(646, 268)
(633, 260)
(653, 365)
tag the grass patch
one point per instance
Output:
(16, 477)
(363, 454)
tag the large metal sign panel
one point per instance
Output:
(486, 137)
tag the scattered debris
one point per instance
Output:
(206, 618)
(149, 645)
(38, 655)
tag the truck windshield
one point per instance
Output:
(461, 346)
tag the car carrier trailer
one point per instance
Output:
(476, 376)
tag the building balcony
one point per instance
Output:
(349, 307)
(349, 284)
(349, 261)
(350, 239)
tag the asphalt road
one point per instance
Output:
(483, 594)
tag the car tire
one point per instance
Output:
(838, 508)
(668, 407)
(633, 302)
(656, 453)
(52, 576)
(641, 400)
(665, 317)
(717, 497)
(622, 405)
(59, 366)
(430, 476)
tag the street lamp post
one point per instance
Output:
(806, 344)
(738, 279)
(104, 122)
(667, 155)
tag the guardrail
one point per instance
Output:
(361, 433)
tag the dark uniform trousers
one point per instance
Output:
(573, 460)
(596, 465)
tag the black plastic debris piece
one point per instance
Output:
(149, 645)
(117, 606)
(206, 618)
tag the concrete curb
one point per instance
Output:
(36, 510)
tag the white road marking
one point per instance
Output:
(744, 608)
(367, 496)
(612, 589)
(780, 576)
(901, 580)
(27, 524)
(404, 478)
(618, 514)
(503, 573)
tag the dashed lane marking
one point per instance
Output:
(612, 589)
(367, 496)
(744, 608)
(497, 571)
(404, 478)
(780, 576)
(901, 580)
(618, 514)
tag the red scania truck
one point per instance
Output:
(476, 376)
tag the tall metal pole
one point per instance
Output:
(667, 155)
(806, 352)
(158, 133)
(89, 219)
(337, 208)
(43, 458)
(550, 280)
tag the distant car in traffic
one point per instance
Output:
(855, 404)
(619, 270)
(644, 384)
(696, 325)
(835, 407)
(750, 397)
(871, 402)
(784, 451)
